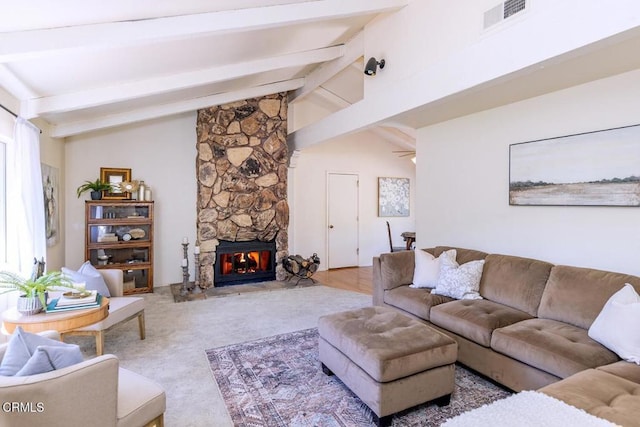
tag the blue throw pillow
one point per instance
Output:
(88, 274)
(21, 347)
(48, 358)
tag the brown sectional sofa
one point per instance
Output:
(530, 330)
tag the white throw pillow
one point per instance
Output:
(616, 327)
(427, 270)
(459, 281)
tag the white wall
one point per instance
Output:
(368, 156)
(463, 179)
(162, 153)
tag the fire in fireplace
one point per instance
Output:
(244, 262)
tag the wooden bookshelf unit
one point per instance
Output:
(119, 234)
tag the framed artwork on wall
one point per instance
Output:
(115, 176)
(600, 168)
(51, 189)
(393, 196)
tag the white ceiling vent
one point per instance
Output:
(503, 11)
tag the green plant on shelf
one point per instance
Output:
(97, 186)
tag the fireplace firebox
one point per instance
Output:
(244, 262)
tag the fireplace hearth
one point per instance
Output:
(244, 262)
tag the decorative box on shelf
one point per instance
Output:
(119, 234)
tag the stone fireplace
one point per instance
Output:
(241, 168)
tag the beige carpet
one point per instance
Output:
(179, 333)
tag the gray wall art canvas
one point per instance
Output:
(600, 168)
(393, 196)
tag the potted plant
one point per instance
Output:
(96, 187)
(33, 292)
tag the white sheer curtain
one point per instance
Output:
(26, 236)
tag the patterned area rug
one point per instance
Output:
(277, 381)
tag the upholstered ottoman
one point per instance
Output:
(390, 361)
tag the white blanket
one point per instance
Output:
(527, 409)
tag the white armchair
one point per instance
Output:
(121, 309)
(95, 392)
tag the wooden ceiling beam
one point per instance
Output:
(126, 91)
(44, 14)
(24, 45)
(142, 114)
(354, 49)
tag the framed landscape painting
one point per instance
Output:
(600, 168)
(393, 196)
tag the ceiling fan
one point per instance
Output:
(405, 153)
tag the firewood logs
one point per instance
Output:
(297, 266)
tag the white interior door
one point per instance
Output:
(342, 220)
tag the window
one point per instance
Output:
(6, 126)
(3, 202)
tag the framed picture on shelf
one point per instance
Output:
(115, 176)
(393, 196)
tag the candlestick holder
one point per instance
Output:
(185, 270)
(185, 248)
(185, 281)
(196, 273)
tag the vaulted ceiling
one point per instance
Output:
(84, 65)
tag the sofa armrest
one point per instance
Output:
(114, 279)
(378, 290)
(391, 270)
(81, 394)
(396, 269)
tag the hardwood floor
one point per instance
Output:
(357, 279)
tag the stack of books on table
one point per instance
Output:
(74, 301)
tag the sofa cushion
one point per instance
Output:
(616, 325)
(396, 269)
(555, 347)
(514, 281)
(576, 295)
(462, 255)
(475, 320)
(120, 308)
(627, 370)
(601, 394)
(415, 301)
(139, 399)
